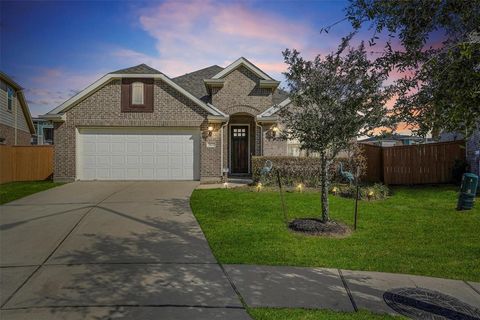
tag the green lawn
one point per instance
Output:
(16, 190)
(304, 314)
(417, 231)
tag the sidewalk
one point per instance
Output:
(343, 290)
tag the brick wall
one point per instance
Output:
(102, 109)
(241, 92)
(8, 133)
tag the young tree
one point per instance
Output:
(335, 98)
(441, 87)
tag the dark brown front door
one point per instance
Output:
(239, 140)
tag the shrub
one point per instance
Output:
(295, 170)
(375, 192)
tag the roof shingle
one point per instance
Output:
(140, 69)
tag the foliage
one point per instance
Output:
(335, 99)
(304, 314)
(440, 86)
(295, 170)
(16, 190)
(377, 191)
(404, 233)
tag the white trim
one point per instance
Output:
(274, 109)
(107, 78)
(237, 63)
(230, 145)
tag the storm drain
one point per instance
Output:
(420, 303)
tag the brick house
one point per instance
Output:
(16, 126)
(137, 124)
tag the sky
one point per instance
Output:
(55, 49)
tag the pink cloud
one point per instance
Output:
(194, 34)
(51, 87)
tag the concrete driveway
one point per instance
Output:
(110, 250)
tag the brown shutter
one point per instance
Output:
(126, 100)
(148, 98)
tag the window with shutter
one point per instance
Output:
(137, 93)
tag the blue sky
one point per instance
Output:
(54, 49)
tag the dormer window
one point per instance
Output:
(137, 93)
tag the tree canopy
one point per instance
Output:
(335, 99)
(440, 86)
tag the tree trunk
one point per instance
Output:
(324, 185)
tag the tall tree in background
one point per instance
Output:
(441, 87)
(335, 99)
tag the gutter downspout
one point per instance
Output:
(221, 146)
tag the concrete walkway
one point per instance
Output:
(344, 290)
(110, 250)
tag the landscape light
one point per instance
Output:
(259, 187)
(300, 187)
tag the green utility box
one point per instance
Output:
(468, 190)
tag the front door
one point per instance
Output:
(239, 144)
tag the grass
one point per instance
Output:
(416, 231)
(304, 314)
(16, 190)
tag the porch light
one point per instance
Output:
(275, 130)
(210, 131)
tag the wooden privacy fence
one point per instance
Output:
(25, 163)
(415, 164)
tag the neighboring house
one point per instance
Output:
(472, 147)
(16, 126)
(394, 140)
(137, 124)
(44, 132)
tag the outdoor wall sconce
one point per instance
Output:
(275, 130)
(210, 131)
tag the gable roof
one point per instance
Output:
(247, 64)
(193, 81)
(133, 72)
(21, 98)
(141, 68)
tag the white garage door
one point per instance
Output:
(138, 154)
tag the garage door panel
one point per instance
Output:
(138, 154)
(148, 147)
(117, 147)
(133, 147)
(118, 161)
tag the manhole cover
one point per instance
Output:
(420, 303)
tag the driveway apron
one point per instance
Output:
(110, 250)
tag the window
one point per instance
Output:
(239, 132)
(10, 95)
(137, 93)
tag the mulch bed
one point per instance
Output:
(316, 227)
